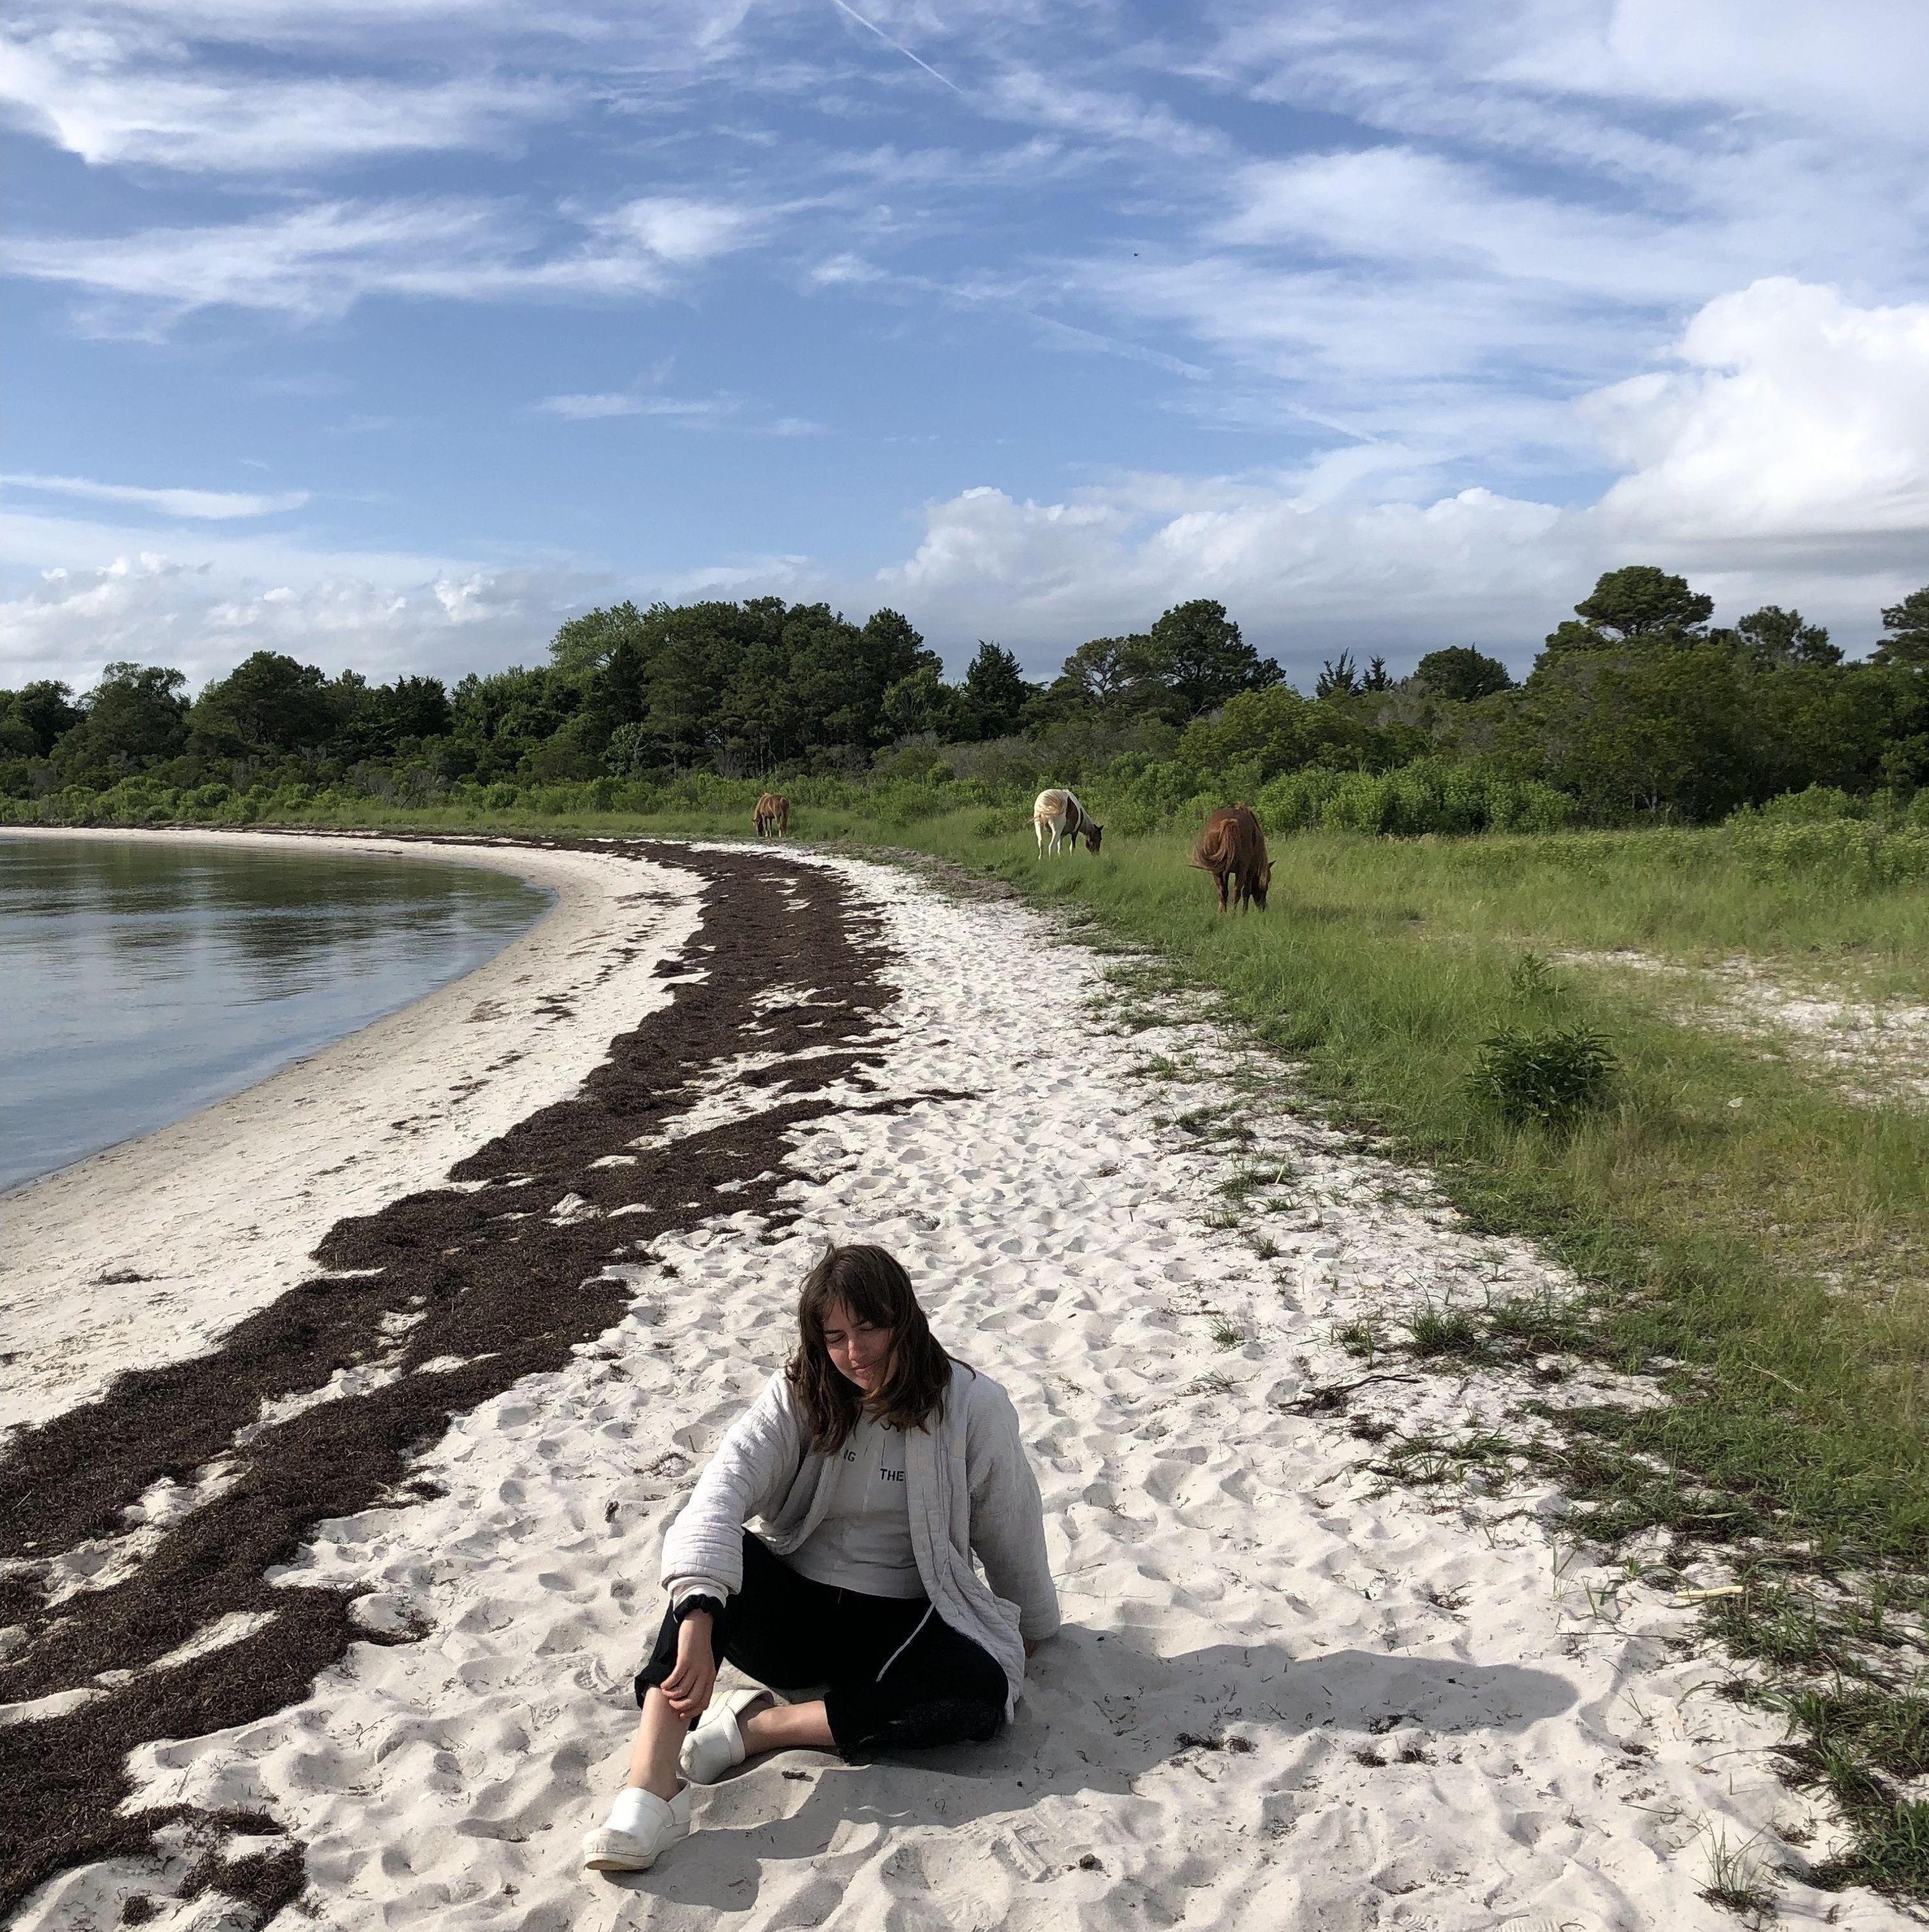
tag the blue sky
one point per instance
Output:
(391, 334)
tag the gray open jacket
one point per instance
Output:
(969, 1489)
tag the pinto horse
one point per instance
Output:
(1058, 814)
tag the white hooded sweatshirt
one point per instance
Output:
(969, 1488)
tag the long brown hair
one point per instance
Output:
(872, 1285)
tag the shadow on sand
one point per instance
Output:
(1100, 1712)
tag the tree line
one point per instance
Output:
(1638, 707)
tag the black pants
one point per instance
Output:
(900, 1678)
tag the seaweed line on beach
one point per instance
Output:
(502, 1274)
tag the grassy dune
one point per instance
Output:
(1778, 1242)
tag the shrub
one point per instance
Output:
(1553, 1077)
(1819, 805)
(1847, 854)
(1429, 795)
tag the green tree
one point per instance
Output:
(760, 711)
(889, 650)
(1462, 674)
(33, 719)
(499, 721)
(1774, 636)
(922, 702)
(1641, 601)
(1905, 631)
(378, 721)
(1196, 652)
(136, 716)
(583, 645)
(1281, 730)
(1105, 673)
(1632, 733)
(1852, 727)
(414, 707)
(1338, 678)
(268, 703)
(1636, 605)
(994, 695)
(836, 699)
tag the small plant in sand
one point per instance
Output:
(1738, 1879)
(1226, 1335)
(1360, 1338)
(1444, 1331)
(1552, 1077)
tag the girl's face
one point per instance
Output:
(859, 1351)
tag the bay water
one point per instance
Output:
(142, 978)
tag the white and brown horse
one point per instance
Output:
(773, 814)
(1058, 815)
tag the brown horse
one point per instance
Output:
(1232, 847)
(773, 814)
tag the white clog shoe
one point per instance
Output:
(715, 1745)
(659, 1824)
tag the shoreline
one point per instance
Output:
(199, 1222)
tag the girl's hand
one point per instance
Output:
(687, 1688)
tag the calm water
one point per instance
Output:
(140, 979)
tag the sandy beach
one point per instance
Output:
(347, 1578)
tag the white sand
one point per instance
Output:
(1877, 1052)
(1545, 1752)
(219, 1211)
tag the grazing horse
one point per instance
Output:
(773, 814)
(1058, 814)
(1232, 847)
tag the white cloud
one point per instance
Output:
(1305, 579)
(1293, 569)
(320, 260)
(1419, 214)
(1026, 94)
(110, 103)
(677, 229)
(1566, 179)
(203, 601)
(1860, 62)
(1786, 461)
(1793, 415)
(1526, 201)
(214, 505)
(714, 412)
(595, 408)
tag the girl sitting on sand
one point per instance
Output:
(877, 1468)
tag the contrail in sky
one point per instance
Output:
(898, 46)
